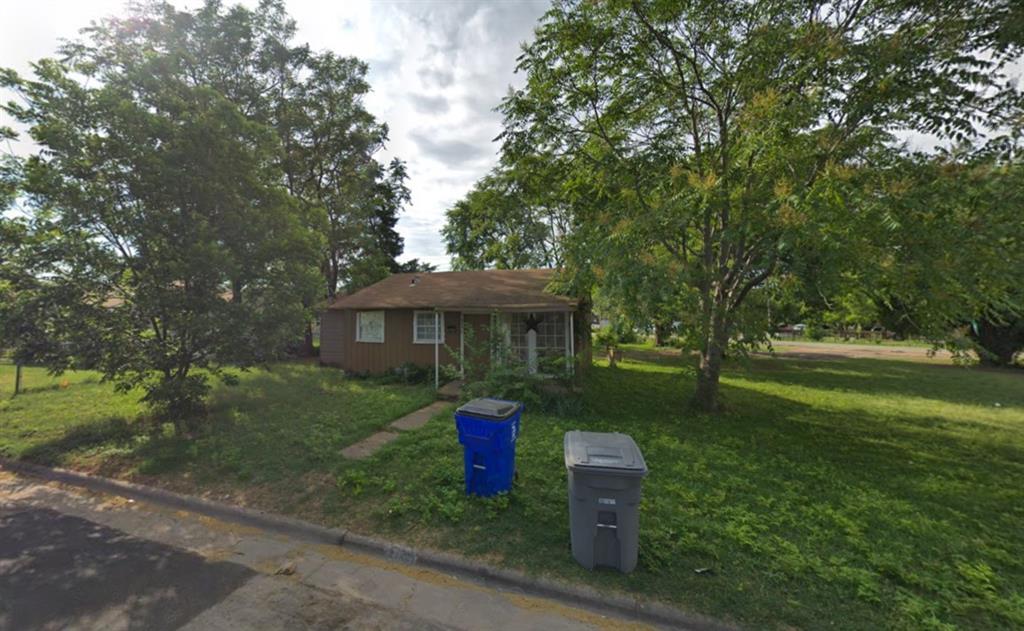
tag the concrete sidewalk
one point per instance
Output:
(415, 420)
(76, 559)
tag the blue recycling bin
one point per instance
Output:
(488, 429)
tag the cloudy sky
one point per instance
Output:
(437, 67)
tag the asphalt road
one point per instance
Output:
(57, 570)
(73, 559)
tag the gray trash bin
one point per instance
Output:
(605, 475)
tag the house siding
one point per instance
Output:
(331, 342)
(338, 345)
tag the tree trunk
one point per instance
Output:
(662, 332)
(307, 342)
(581, 328)
(1000, 342)
(705, 398)
(709, 369)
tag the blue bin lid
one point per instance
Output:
(603, 452)
(490, 409)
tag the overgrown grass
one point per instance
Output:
(57, 413)
(858, 494)
(274, 425)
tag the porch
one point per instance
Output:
(543, 341)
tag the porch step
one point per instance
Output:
(450, 391)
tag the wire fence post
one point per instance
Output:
(17, 379)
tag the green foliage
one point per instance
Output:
(502, 223)
(330, 141)
(408, 373)
(705, 149)
(273, 425)
(843, 493)
(177, 400)
(511, 381)
(202, 185)
(815, 332)
(856, 493)
(412, 266)
(491, 370)
(999, 338)
(970, 199)
(607, 338)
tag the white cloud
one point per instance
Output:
(437, 69)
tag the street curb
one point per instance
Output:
(614, 603)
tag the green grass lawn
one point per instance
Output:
(855, 494)
(859, 494)
(273, 427)
(52, 411)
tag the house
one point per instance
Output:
(435, 319)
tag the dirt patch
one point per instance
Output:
(832, 351)
(802, 355)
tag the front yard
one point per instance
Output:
(269, 432)
(846, 493)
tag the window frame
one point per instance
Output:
(415, 329)
(383, 326)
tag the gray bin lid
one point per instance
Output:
(613, 453)
(491, 409)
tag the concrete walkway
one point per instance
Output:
(369, 445)
(73, 559)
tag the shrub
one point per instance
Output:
(507, 380)
(408, 373)
(608, 339)
(815, 332)
(625, 332)
(549, 390)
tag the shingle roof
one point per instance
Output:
(478, 289)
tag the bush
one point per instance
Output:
(625, 333)
(550, 390)
(815, 332)
(408, 373)
(608, 340)
(180, 400)
(511, 381)
(680, 342)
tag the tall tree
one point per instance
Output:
(331, 144)
(379, 252)
(726, 134)
(508, 221)
(330, 140)
(171, 248)
(951, 250)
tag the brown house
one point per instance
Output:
(437, 319)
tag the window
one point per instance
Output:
(550, 330)
(370, 326)
(425, 327)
